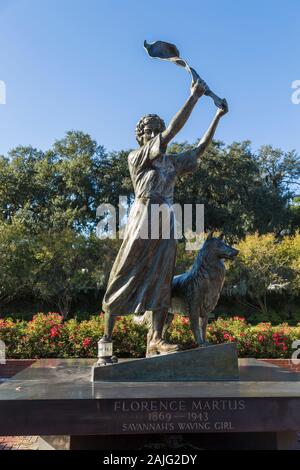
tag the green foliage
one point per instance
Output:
(16, 260)
(295, 211)
(56, 189)
(184, 258)
(52, 267)
(238, 194)
(260, 341)
(66, 264)
(62, 187)
(265, 265)
(48, 249)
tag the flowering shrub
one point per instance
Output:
(262, 340)
(50, 336)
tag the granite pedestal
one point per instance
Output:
(57, 397)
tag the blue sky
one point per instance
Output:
(80, 64)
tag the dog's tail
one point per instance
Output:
(178, 282)
(175, 282)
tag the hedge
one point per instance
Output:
(48, 335)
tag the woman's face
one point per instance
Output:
(151, 129)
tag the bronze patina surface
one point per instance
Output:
(218, 362)
(141, 276)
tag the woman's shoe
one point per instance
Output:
(161, 347)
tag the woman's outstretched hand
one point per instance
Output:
(224, 109)
(199, 88)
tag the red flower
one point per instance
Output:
(226, 336)
(86, 342)
(261, 338)
(54, 332)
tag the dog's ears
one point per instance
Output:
(211, 233)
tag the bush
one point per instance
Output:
(265, 266)
(260, 341)
(47, 336)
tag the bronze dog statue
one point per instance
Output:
(196, 292)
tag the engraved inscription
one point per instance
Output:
(174, 415)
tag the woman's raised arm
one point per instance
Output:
(208, 136)
(197, 90)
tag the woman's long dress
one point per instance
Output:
(141, 276)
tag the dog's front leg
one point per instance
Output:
(203, 327)
(195, 325)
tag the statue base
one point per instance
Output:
(209, 363)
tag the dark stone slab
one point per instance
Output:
(57, 397)
(187, 443)
(218, 362)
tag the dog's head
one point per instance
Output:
(217, 248)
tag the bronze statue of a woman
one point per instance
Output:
(140, 279)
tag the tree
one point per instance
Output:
(281, 170)
(242, 192)
(68, 264)
(263, 266)
(55, 189)
(63, 262)
(294, 208)
(232, 185)
(48, 203)
(16, 260)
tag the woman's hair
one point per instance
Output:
(139, 130)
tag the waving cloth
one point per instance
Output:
(167, 51)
